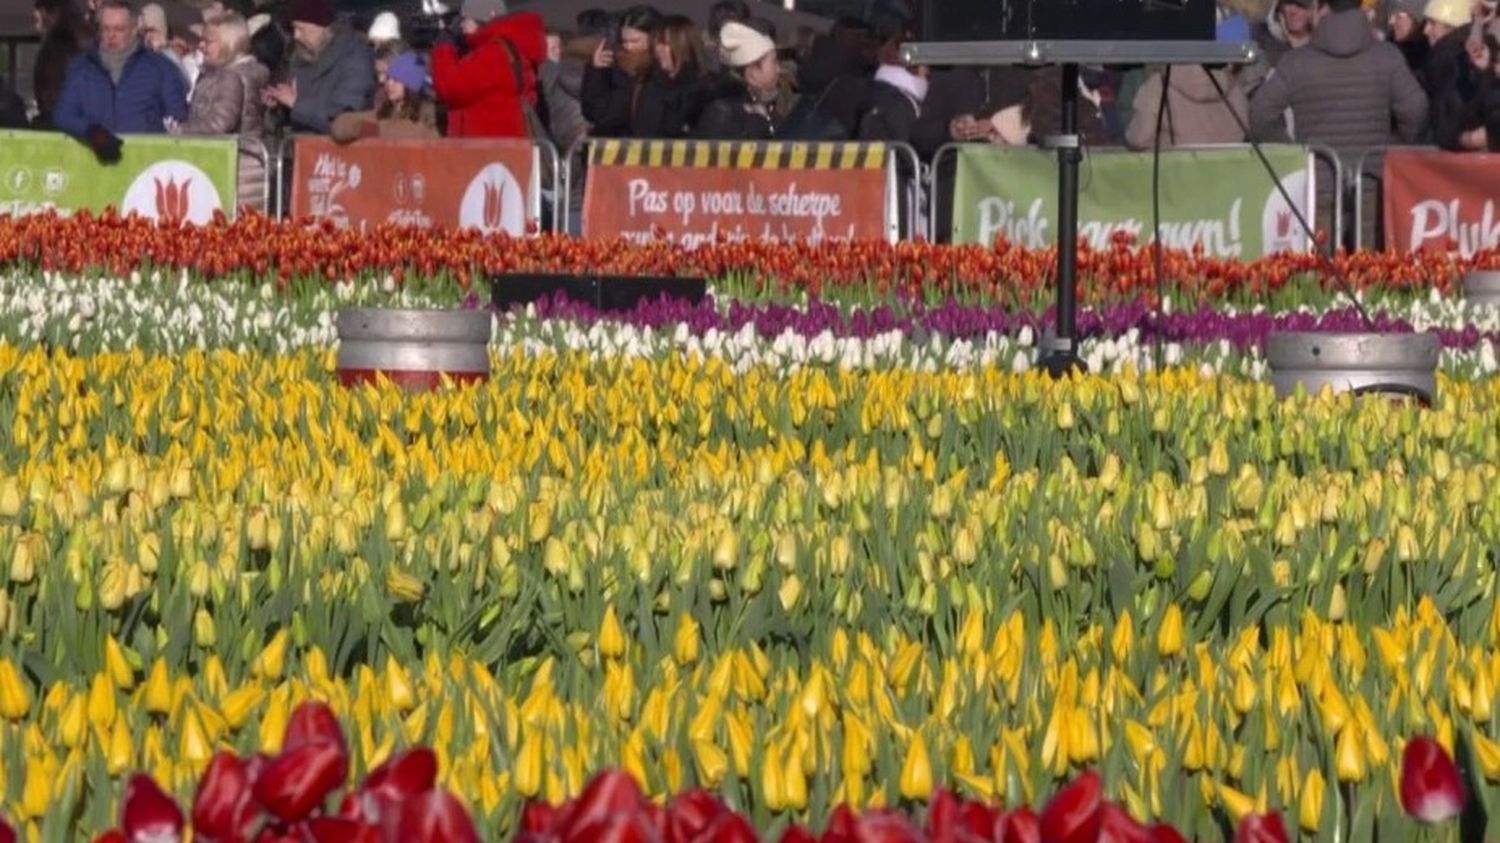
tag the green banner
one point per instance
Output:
(162, 177)
(1220, 200)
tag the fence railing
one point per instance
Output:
(694, 191)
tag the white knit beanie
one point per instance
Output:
(741, 46)
(1454, 13)
(386, 27)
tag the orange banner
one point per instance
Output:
(1441, 201)
(693, 205)
(482, 184)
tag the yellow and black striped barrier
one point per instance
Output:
(739, 155)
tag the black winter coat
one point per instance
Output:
(980, 91)
(57, 49)
(733, 114)
(892, 115)
(656, 106)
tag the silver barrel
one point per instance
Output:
(414, 347)
(1382, 364)
(1482, 286)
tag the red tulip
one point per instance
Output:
(1431, 790)
(1074, 814)
(611, 793)
(435, 817)
(979, 820)
(312, 722)
(886, 827)
(1019, 826)
(388, 786)
(296, 782)
(1117, 826)
(147, 814)
(223, 809)
(7, 833)
(942, 816)
(539, 817)
(1257, 828)
(690, 813)
(111, 836)
(1163, 833)
(626, 827)
(797, 834)
(843, 825)
(342, 830)
(728, 828)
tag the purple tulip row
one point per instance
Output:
(1202, 326)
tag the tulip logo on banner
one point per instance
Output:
(172, 192)
(493, 202)
(1280, 231)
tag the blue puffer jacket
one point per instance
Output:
(151, 89)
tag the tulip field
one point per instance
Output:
(823, 557)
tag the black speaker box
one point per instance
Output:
(1067, 20)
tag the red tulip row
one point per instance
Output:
(288, 250)
(282, 799)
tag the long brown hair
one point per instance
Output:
(685, 40)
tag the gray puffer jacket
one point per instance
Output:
(1346, 89)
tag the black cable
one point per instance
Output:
(1157, 258)
(1338, 274)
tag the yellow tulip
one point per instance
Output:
(711, 761)
(120, 755)
(36, 794)
(1487, 753)
(1349, 754)
(398, 687)
(685, 640)
(1169, 638)
(101, 702)
(117, 665)
(15, 697)
(1310, 804)
(270, 662)
(1236, 803)
(73, 725)
(528, 766)
(916, 770)
(611, 635)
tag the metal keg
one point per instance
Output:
(1482, 286)
(1393, 365)
(414, 348)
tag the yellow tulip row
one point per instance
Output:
(1002, 711)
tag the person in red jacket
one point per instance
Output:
(478, 83)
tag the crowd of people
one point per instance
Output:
(1349, 74)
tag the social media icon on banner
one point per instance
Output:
(54, 181)
(18, 179)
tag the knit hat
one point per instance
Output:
(154, 18)
(315, 12)
(410, 70)
(1454, 13)
(741, 46)
(483, 10)
(386, 27)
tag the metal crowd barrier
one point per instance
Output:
(579, 154)
(1363, 174)
(935, 195)
(543, 153)
(257, 149)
